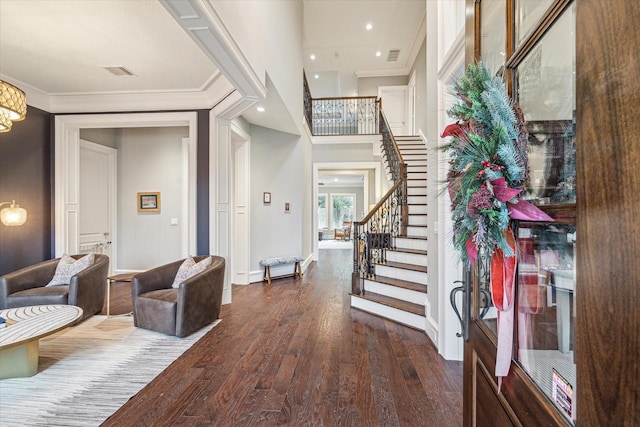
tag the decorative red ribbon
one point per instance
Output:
(520, 209)
(503, 278)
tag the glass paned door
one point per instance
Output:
(546, 286)
(343, 208)
(323, 218)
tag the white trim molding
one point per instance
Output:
(66, 167)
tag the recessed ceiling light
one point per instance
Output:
(313, 57)
(378, 53)
(369, 26)
(260, 109)
(316, 76)
(335, 179)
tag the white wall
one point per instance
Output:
(420, 68)
(269, 34)
(277, 167)
(368, 86)
(445, 20)
(149, 159)
(106, 137)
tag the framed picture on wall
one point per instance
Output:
(266, 197)
(149, 202)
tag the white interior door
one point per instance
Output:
(97, 201)
(394, 105)
(241, 219)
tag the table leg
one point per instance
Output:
(20, 361)
(108, 296)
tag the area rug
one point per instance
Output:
(89, 371)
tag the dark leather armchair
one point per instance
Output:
(86, 290)
(182, 311)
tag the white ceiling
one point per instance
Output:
(60, 48)
(335, 32)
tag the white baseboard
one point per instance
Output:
(431, 325)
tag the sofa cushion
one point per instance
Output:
(39, 296)
(69, 267)
(190, 268)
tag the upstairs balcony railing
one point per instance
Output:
(376, 233)
(356, 115)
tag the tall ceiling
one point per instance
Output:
(61, 48)
(335, 32)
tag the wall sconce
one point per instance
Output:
(13, 215)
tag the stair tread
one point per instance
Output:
(410, 251)
(412, 237)
(393, 302)
(404, 266)
(404, 284)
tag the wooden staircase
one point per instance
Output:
(399, 290)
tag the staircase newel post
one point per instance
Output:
(355, 275)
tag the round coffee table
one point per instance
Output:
(19, 340)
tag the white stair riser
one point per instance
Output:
(416, 156)
(399, 273)
(396, 292)
(416, 175)
(413, 142)
(418, 220)
(418, 244)
(417, 200)
(418, 190)
(407, 258)
(417, 209)
(409, 319)
(417, 231)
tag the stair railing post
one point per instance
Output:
(404, 201)
(355, 275)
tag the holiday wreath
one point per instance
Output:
(488, 166)
(487, 173)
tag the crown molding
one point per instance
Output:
(382, 72)
(211, 93)
(200, 21)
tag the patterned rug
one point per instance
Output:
(87, 372)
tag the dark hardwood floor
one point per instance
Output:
(295, 353)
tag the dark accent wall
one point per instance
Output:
(25, 175)
(202, 199)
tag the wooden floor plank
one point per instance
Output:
(295, 353)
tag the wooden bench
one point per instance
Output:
(267, 263)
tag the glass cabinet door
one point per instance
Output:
(546, 285)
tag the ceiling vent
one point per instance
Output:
(393, 55)
(119, 71)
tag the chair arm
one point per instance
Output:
(200, 298)
(87, 288)
(33, 276)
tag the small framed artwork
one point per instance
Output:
(148, 202)
(287, 207)
(266, 197)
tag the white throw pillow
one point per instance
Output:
(190, 268)
(69, 267)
